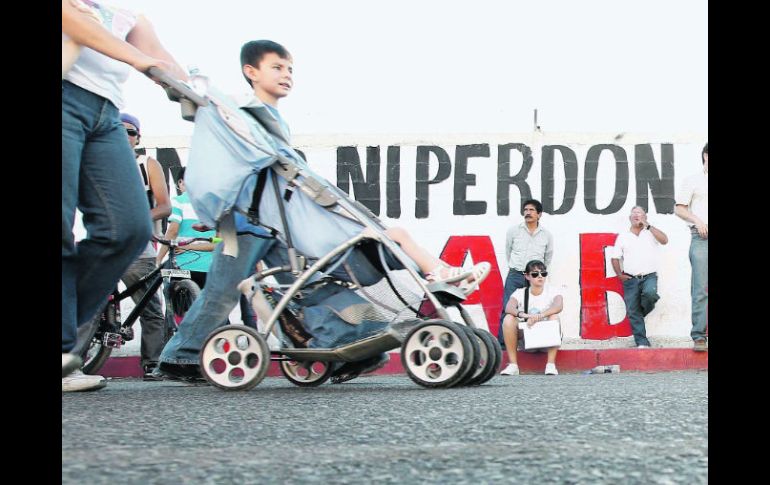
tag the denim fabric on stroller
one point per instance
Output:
(331, 312)
(228, 150)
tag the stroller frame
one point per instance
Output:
(435, 352)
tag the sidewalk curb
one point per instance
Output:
(568, 361)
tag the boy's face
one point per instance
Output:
(272, 79)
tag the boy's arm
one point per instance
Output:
(172, 231)
(202, 246)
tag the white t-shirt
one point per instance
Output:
(537, 303)
(100, 74)
(640, 254)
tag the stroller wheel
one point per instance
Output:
(478, 359)
(491, 355)
(235, 358)
(306, 374)
(437, 353)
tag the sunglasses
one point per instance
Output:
(535, 274)
(131, 132)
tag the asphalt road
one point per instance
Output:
(610, 428)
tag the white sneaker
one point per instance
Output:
(77, 381)
(550, 370)
(511, 370)
(69, 362)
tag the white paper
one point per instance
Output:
(542, 334)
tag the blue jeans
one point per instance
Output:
(513, 282)
(151, 318)
(699, 260)
(99, 177)
(640, 297)
(211, 309)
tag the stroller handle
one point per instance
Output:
(178, 91)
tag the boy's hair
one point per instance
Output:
(704, 152)
(253, 51)
(535, 264)
(533, 202)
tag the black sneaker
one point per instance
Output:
(149, 373)
(179, 372)
(350, 370)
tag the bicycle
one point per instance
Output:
(98, 338)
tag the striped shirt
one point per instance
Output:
(182, 213)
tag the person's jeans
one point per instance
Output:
(640, 297)
(212, 308)
(151, 318)
(513, 282)
(699, 260)
(99, 177)
(247, 313)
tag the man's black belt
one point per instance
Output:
(640, 276)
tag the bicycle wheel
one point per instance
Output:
(90, 347)
(183, 294)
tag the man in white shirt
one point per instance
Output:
(527, 241)
(638, 248)
(692, 205)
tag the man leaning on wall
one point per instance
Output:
(692, 205)
(637, 251)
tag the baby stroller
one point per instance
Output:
(334, 296)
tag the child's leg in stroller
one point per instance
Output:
(423, 258)
(434, 268)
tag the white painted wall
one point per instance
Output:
(667, 325)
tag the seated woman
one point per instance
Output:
(545, 303)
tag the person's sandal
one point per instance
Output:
(479, 273)
(454, 274)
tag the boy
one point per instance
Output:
(267, 67)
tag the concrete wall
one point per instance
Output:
(458, 194)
